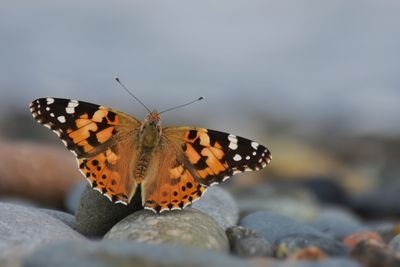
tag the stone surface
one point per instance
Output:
(123, 253)
(186, 228)
(66, 218)
(296, 203)
(272, 226)
(96, 214)
(246, 243)
(372, 253)
(220, 205)
(294, 243)
(386, 229)
(24, 229)
(72, 199)
(395, 243)
(356, 238)
(338, 223)
(44, 180)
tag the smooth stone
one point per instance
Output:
(273, 226)
(296, 203)
(371, 253)
(338, 223)
(395, 243)
(24, 229)
(286, 246)
(247, 243)
(186, 227)
(73, 197)
(220, 205)
(127, 253)
(329, 262)
(66, 218)
(96, 214)
(380, 203)
(40, 173)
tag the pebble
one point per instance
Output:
(24, 229)
(246, 243)
(66, 218)
(96, 214)
(44, 180)
(298, 243)
(74, 195)
(356, 238)
(127, 253)
(395, 243)
(220, 205)
(273, 226)
(186, 227)
(372, 253)
(296, 203)
(338, 223)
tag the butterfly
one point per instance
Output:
(117, 153)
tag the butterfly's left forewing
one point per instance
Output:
(191, 159)
(100, 139)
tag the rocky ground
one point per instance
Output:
(301, 224)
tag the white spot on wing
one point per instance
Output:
(254, 153)
(233, 146)
(61, 119)
(52, 114)
(70, 110)
(254, 145)
(47, 108)
(49, 100)
(237, 157)
(247, 157)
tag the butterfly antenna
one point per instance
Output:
(131, 94)
(184, 105)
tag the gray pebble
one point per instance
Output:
(220, 205)
(96, 214)
(338, 223)
(186, 227)
(127, 253)
(272, 226)
(66, 218)
(24, 229)
(285, 246)
(246, 243)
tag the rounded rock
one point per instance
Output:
(246, 243)
(24, 229)
(220, 205)
(96, 214)
(127, 253)
(272, 226)
(181, 227)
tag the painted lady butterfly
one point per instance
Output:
(174, 166)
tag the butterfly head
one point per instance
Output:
(150, 130)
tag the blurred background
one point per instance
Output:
(317, 82)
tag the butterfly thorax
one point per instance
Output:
(149, 136)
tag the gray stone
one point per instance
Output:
(246, 243)
(24, 229)
(338, 223)
(66, 218)
(296, 203)
(290, 244)
(395, 243)
(220, 205)
(330, 262)
(73, 197)
(96, 214)
(272, 226)
(180, 227)
(127, 253)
